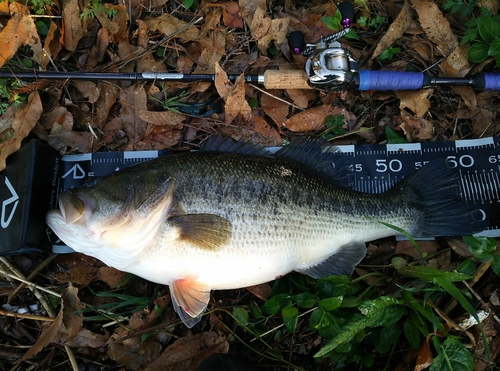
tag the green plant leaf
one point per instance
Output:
(274, 305)
(241, 315)
(333, 22)
(330, 304)
(187, 3)
(495, 265)
(453, 356)
(467, 267)
(412, 334)
(290, 318)
(426, 273)
(305, 300)
(489, 28)
(393, 137)
(389, 53)
(387, 338)
(481, 247)
(494, 47)
(478, 52)
(316, 319)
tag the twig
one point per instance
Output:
(26, 316)
(275, 97)
(30, 284)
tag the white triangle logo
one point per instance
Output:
(13, 199)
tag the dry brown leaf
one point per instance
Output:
(260, 24)
(424, 356)
(492, 5)
(168, 24)
(187, 353)
(133, 353)
(249, 7)
(116, 26)
(274, 108)
(144, 319)
(59, 115)
(4, 6)
(406, 247)
(314, 118)
(162, 117)
(52, 44)
(299, 97)
(277, 33)
(112, 277)
(20, 30)
(457, 63)
(222, 83)
(133, 99)
(106, 100)
(80, 141)
(436, 26)
(88, 89)
(395, 30)
(415, 100)
(79, 276)
(86, 338)
(65, 326)
(236, 104)
(25, 118)
(415, 128)
(266, 135)
(72, 25)
(262, 291)
(231, 15)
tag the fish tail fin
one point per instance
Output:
(435, 193)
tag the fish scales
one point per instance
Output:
(209, 220)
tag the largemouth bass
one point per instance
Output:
(231, 216)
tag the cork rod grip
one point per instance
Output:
(285, 79)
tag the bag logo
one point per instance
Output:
(13, 199)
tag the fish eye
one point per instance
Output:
(90, 182)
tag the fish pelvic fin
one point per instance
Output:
(434, 191)
(190, 300)
(206, 231)
(342, 262)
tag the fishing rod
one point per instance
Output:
(329, 67)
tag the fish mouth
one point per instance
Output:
(73, 207)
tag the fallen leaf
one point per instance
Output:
(72, 25)
(162, 117)
(187, 353)
(222, 83)
(275, 108)
(133, 99)
(169, 25)
(79, 276)
(4, 6)
(457, 63)
(20, 30)
(395, 30)
(269, 136)
(106, 100)
(79, 141)
(262, 291)
(260, 24)
(25, 118)
(66, 325)
(88, 89)
(112, 277)
(436, 26)
(415, 128)
(86, 338)
(117, 26)
(249, 7)
(424, 356)
(406, 247)
(231, 15)
(415, 100)
(236, 104)
(142, 320)
(133, 353)
(314, 118)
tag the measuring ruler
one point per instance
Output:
(375, 168)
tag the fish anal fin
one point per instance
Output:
(190, 300)
(206, 231)
(342, 262)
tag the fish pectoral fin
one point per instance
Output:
(190, 299)
(206, 231)
(342, 262)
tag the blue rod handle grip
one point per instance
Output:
(491, 81)
(390, 80)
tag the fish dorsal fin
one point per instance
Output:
(190, 299)
(206, 231)
(217, 143)
(327, 163)
(342, 262)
